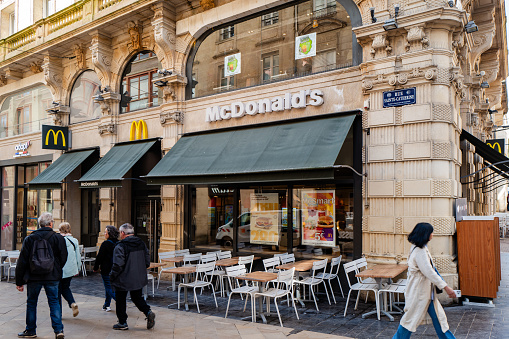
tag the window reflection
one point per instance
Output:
(267, 47)
(83, 107)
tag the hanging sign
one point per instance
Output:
(265, 221)
(318, 218)
(497, 144)
(305, 46)
(231, 65)
(400, 97)
(55, 137)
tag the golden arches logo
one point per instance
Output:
(495, 144)
(138, 130)
(55, 137)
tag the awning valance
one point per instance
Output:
(52, 177)
(299, 150)
(110, 170)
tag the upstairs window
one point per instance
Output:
(270, 19)
(227, 33)
(83, 107)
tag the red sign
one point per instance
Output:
(6, 225)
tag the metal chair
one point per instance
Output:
(333, 273)
(166, 255)
(231, 273)
(12, 260)
(192, 259)
(181, 253)
(224, 255)
(87, 260)
(201, 270)
(359, 286)
(316, 279)
(270, 264)
(247, 260)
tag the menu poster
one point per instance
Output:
(231, 65)
(264, 218)
(318, 218)
(305, 46)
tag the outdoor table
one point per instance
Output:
(379, 272)
(231, 261)
(300, 266)
(156, 265)
(174, 259)
(261, 278)
(185, 271)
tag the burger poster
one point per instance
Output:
(265, 221)
(318, 218)
(232, 65)
(305, 46)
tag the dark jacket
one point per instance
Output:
(130, 263)
(59, 248)
(104, 259)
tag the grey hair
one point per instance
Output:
(45, 219)
(127, 228)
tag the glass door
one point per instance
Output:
(146, 223)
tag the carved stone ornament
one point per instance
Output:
(79, 53)
(58, 112)
(108, 128)
(371, 81)
(102, 55)
(134, 30)
(3, 80)
(164, 37)
(109, 99)
(35, 68)
(171, 117)
(207, 4)
(174, 84)
(380, 46)
(416, 39)
(53, 70)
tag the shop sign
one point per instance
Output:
(138, 130)
(22, 149)
(497, 144)
(232, 65)
(9, 223)
(288, 101)
(305, 46)
(400, 97)
(89, 184)
(318, 215)
(264, 218)
(460, 208)
(55, 137)
(216, 191)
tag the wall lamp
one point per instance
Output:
(485, 84)
(373, 19)
(98, 97)
(391, 23)
(160, 83)
(164, 72)
(471, 27)
(491, 111)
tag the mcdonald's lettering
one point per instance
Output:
(138, 130)
(55, 137)
(497, 144)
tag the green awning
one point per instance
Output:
(53, 176)
(110, 170)
(300, 150)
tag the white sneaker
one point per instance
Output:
(107, 309)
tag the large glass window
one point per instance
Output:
(137, 83)
(25, 111)
(7, 208)
(83, 107)
(310, 37)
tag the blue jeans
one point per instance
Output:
(55, 312)
(64, 290)
(403, 333)
(109, 291)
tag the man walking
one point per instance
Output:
(42, 256)
(129, 274)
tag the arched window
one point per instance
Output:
(137, 83)
(25, 111)
(83, 107)
(286, 42)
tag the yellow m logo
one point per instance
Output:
(497, 145)
(138, 130)
(55, 137)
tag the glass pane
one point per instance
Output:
(266, 62)
(134, 88)
(7, 219)
(21, 175)
(32, 211)
(144, 86)
(83, 107)
(31, 172)
(8, 176)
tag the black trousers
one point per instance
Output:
(136, 297)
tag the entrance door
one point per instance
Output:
(146, 223)
(89, 217)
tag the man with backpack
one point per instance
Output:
(42, 256)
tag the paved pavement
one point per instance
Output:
(476, 322)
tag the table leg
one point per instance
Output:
(381, 304)
(186, 281)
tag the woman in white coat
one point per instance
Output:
(420, 295)
(71, 267)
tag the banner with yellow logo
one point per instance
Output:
(55, 137)
(497, 144)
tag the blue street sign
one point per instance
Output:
(400, 97)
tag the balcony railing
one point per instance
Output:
(66, 17)
(325, 12)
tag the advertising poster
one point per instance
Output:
(264, 218)
(305, 46)
(318, 218)
(231, 65)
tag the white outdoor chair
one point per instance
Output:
(181, 253)
(214, 252)
(224, 255)
(150, 278)
(12, 260)
(270, 264)
(247, 290)
(315, 279)
(334, 273)
(201, 269)
(362, 264)
(359, 286)
(287, 259)
(284, 287)
(192, 259)
(393, 290)
(247, 260)
(3, 263)
(218, 272)
(166, 255)
(87, 260)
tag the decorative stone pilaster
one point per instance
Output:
(164, 35)
(176, 117)
(53, 71)
(380, 47)
(416, 39)
(102, 55)
(59, 113)
(79, 53)
(107, 128)
(108, 101)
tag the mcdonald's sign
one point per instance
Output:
(138, 130)
(497, 144)
(55, 137)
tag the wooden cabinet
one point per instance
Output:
(479, 256)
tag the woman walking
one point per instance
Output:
(70, 269)
(422, 286)
(104, 261)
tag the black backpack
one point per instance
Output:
(42, 258)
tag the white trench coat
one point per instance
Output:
(422, 280)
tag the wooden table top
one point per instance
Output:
(156, 265)
(181, 270)
(386, 271)
(174, 259)
(300, 266)
(231, 261)
(259, 276)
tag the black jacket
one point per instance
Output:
(59, 248)
(104, 258)
(130, 263)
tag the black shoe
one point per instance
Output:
(151, 320)
(60, 335)
(120, 326)
(26, 334)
